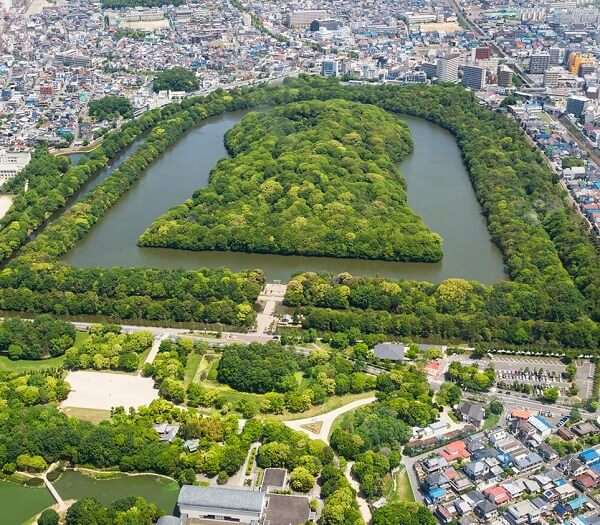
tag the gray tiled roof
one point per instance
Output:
(168, 520)
(392, 351)
(215, 497)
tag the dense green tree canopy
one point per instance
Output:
(258, 368)
(403, 513)
(110, 107)
(176, 79)
(310, 178)
(37, 339)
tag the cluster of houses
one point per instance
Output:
(512, 475)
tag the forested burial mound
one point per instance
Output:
(308, 178)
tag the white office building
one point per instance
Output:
(447, 68)
(11, 163)
(329, 67)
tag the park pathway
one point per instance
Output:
(326, 419)
(272, 294)
(155, 348)
(363, 506)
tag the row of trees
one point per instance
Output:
(106, 348)
(36, 282)
(451, 296)
(43, 337)
(310, 178)
(580, 334)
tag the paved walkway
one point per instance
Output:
(363, 506)
(155, 348)
(272, 295)
(326, 419)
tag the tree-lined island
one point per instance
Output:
(308, 178)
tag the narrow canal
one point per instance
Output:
(438, 188)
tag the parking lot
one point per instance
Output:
(541, 373)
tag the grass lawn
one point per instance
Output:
(143, 357)
(397, 488)
(31, 365)
(331, 404)
(491, 421)
(88, 414)
(213, 371)
(191, 368)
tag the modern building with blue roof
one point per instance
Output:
(541, 425)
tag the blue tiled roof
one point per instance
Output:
(577, 503)
(436, 493)
(589, 455)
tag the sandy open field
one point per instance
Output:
(102, 390)
(36, 7)
(5, 203)
(447, 27)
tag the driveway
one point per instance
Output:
(326, 419)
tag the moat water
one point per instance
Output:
(439, 190)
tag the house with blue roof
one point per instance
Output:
(577, 504)
(589, 456)
(435, 494)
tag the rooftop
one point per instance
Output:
(234, 499)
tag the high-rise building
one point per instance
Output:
(505, 76)
(576, 105)
(587, 69)
(327, 23)
(577, 59)
(429, 69)
(303, 18)
(538, 63)
(557, 56)
(329, 67)
(474, 76)
(447, 68)
(552, 76)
